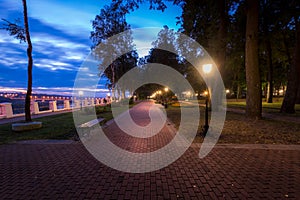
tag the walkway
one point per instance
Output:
(68, 171)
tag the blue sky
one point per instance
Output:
(60, 31)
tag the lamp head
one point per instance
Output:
(207, 68)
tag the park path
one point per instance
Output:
(68, 171)
(140, 115)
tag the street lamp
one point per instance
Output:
(206, 69)
(166, 97)
(80, 96)
(159, 92)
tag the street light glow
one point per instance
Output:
(207, 68)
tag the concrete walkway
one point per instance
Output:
(68, 171)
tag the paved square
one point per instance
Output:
(68, 171)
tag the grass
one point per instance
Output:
(267, 107)
(65, 129)
(59, 126)
(237, 128)
(240, 130)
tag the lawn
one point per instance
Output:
(267, 107)
(239, 129)
(59, 126)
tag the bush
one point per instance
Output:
(88, 110)
(101, 109)
(131, 102)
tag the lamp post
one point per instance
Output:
(80, 96)
(159, 92)
(166, 97)
(206, 126)
(206, 69)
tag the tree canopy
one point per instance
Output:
(221, 28)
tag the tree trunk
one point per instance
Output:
(123, 94)
(288, 104)
(286, 46)
(113, 95)
(298, 94)
(270, 71)
(253, 99)
(238, 91)
(30, 63)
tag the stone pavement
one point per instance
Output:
(68, 171)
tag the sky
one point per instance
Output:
(60, 31)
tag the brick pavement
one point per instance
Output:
(68, 171)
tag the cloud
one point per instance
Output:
(50, 52)
(8, 89)
(60, 33)
(53, 65)
(48, 40)
(53, 13)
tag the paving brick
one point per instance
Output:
(56, 171)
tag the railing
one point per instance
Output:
(9, 110)
(43, 106)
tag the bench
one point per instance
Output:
(91, 123)
(85, 128)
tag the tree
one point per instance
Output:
(207, 22)
(235, 75)
(110, 22)
(267, 18)
(290, 21)
(166, 39)
(253, 98)
(30, 63)
(23, 34)
(277, 39)
(288, 104)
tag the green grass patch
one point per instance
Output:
(267, 107)
(54, 127)
(59, 126)
(240, 130)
